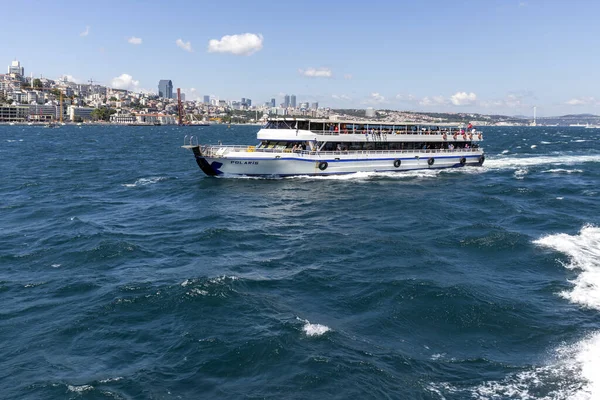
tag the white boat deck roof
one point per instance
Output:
(359, 122)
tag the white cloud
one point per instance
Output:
(316, 72)
(341, 97)
(433, 101)
(187, 46)
(374, 98)
(86, 32)
(244, 44)
(514, 100)
(522, 4)
(348, 76)
(582, 101)
(409, 98)
(135, 40)
(125, 81)
(463, 98)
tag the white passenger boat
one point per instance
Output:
(291, 146)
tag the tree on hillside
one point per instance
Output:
(103, 113)
(37, 83)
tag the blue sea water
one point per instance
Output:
(125, 273)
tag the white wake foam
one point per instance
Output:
(570, 374)
(563, 171)
(584, 255)
(313, 329)
(145, 181)
(519, 162)
(79, 389)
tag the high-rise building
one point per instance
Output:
(272, 102)
(15, 68)
(165, 88)
(206, 99)
(286, 101)
(293, 103)
(248, 102)
(315, 106)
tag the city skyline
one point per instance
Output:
(501, 57)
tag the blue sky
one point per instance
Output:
(490, 56)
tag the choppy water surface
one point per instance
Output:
(126, 273)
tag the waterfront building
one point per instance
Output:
(293, 101)
(123, 119)
(369, 112)
(155, 119)
(43, 113)
(165, 88)
(85, 113)
(13, 113)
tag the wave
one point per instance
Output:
(146, 181)
(563, 171)
(313, 329)
(583, 251)
(569, 374)
(80, 389)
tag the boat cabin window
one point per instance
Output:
(280, 125)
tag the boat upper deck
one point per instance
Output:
(361, 131)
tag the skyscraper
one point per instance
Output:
(165, 88)
(15, 68)
(206, 99)
(293, 103)
(272, 102)
(286, 101)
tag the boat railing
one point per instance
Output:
(378, 132)
(221, 150)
